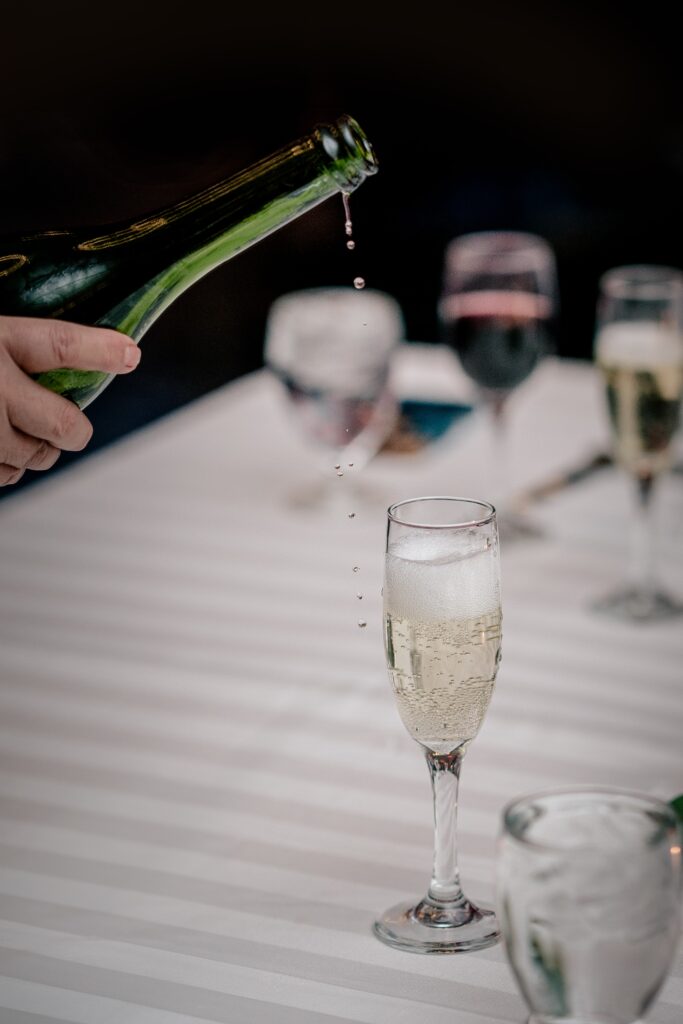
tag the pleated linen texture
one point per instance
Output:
(206, 794)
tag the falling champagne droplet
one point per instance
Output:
(340, 472)
(358, 282)
(348, 226)
(356, 568)
(352, 515)
(350, 465)
(359, 596)
(337, 465)
(362, 623)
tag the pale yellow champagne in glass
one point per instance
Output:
(642, 365)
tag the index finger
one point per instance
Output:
(37, 345)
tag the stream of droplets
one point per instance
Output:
(358, 283)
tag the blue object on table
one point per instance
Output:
(430, 420)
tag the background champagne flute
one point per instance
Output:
(442, 611)
(499, 295)
(639, 349)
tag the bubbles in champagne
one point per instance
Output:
(340, 472)
(350, 244)
(359, 282)
(359, 596)
(337, 465)
(362, 623)
(443, 675)
(351, 515)
(356, 568)
(350, 465)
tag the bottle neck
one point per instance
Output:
(206, 230)
(125, 275)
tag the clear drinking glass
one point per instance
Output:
(498, 298)
(639, 349)
(332, 350)
(589, 902)
(442, 623)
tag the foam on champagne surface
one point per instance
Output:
(432, 575)
(639, 344)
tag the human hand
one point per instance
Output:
(36, 424)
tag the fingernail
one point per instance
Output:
(131, 356)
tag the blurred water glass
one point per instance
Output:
(589, 902)
(332, 350)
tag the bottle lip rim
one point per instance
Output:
(351, 152)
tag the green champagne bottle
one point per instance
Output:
(125, 275)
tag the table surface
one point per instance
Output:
(206, 793)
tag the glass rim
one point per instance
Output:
(614, 792)
(641, 280)
(510, 241)
(504, 249)
(483, 521)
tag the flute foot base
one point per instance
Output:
(431, 927)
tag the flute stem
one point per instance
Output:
(642, 552)
(444, 770)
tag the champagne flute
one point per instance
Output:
(498, 297)
(639, 349)
(442, 623)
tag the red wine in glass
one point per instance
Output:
(499, 336)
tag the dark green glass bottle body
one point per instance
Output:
(124, 276)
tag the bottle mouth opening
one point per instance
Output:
(351, 152)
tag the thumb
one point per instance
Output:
(38, 344)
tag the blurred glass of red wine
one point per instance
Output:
(499, 336)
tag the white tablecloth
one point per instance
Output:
(206, 794)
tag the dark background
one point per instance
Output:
(564, 120)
